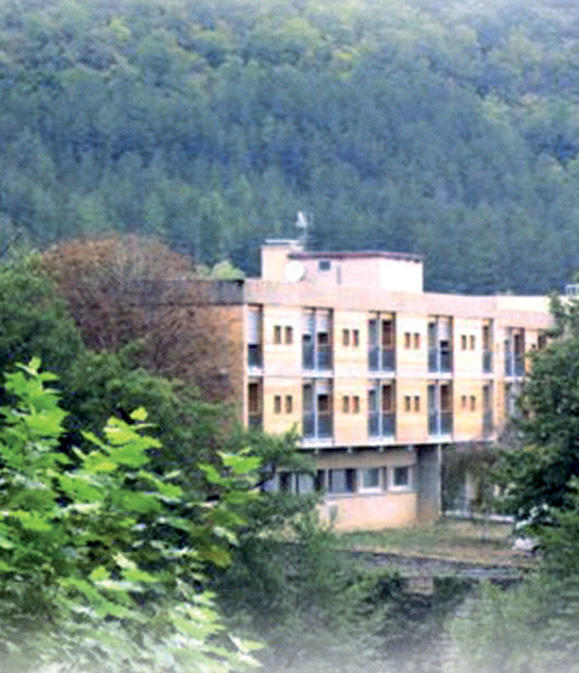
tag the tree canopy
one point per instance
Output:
(413, 125)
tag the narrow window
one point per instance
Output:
(472, 342)
(463, 341)
(277, 334)
(356, 404)
(407, 339)
(472, 403)
(345, 337)
(416, 403)
(289, 335)
(345, 404)
(285, 482)
(463, 401)
(277, 404)
(289, 404)
(407, 403)
(355, 337)
(417, 341)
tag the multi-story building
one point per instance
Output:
(376, 375)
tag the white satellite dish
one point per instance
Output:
(294, 271)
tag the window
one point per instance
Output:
(355, 337)
(416, 340)
(345, 404)
(407, 403)
(407, 339)
(289, 335)
(277, 404)
(401, 477)
(345, 337)
(304, 483)
(324, 265)
(341, 481)
(463, 341)
(472, 342)
(370, 479)
(472, 403)
(416, 402)
(289, 404)
(285, 482)
(277, 334)
(356, 404)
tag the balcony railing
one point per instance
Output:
(381, 424)
(255, 421)
(255, 355)
(319, 357)
(487, 362)
(381, 359)
(317, 426)
(514, 364)
(440, 360)
(440, 423)
(488, 423)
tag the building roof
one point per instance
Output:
(362, 254)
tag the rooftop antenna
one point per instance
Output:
(302, 222)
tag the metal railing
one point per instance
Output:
(514, 364)
(317, 425)
(254, 355)
(440, 423)
(487, 362)
(320, 357)
(381, 359)
(440, 360)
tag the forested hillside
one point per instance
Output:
(449, 128)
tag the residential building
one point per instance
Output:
(376, 375)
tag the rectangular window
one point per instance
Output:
(277, 404)
(289, 404)
(472, 403)
(253, 404)
(345, 404)
(370, 479)
(285, 482)
(277, 334)
(463, 401)
(472, 342)
(401, 477)
(324, 265)
(416, 403)
(345, 337)
(417, 341)
(341, 481)
(289, 335)
(356, 404)
(407, 339)
(463, 341)
(355, 337)
(407, 403)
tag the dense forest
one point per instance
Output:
(450, 129)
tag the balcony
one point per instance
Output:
(488, 423)
(440, 423)
(316, 426)
(514, 364)
(381, 359)
(255, 355)
(381, 424)
(487, 362)
(255, 421)
(319, 357)
(440, 360)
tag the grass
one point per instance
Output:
(466, 540)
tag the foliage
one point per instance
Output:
(196, 123)
(101, 558)
(538, 474)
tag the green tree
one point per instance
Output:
(101, 569)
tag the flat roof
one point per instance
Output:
(362, 254)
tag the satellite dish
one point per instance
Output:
(294, 271)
